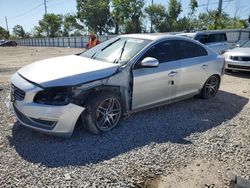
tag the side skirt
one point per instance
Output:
(162, 103)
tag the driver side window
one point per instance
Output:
(163, 52)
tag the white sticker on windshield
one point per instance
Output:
(135, 40)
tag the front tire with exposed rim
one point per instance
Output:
(211, 87)
(103, 112)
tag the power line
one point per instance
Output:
(228, 3)
(2, 22)
(213, 3)
(26, 12)
(59, 3)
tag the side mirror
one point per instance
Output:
(149, 62)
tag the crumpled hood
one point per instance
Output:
(66, 70)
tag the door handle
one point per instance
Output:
(172, 73)
(204, 66)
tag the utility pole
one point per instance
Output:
(220, 7)
(151, 27)
(45, 6)
(6, 21)
(218, 14)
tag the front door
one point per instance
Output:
(155, 85)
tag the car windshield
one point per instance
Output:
(117, 50)
(246, 44)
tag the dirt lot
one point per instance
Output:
(194, 143)
(12, 58)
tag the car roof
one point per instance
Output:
(210, 32)
(200, 32)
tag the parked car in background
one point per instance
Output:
(125, 74)
(214, 40)
(238, 58)
(8, 43)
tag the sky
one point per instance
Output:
(28, 12)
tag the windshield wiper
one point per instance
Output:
(98, 51)
(122, 50)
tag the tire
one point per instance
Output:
(103, 112)
(211, 87)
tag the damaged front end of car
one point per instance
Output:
(64, 95)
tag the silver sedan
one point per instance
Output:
(126, 74)
(238, 58)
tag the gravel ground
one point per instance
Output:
(208, 139)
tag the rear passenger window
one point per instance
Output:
(202, 38)
(217, 38)
(223, 37)
(189, 50)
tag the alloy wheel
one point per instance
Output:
(108, 114)
(211, 86)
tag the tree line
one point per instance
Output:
(127, 16)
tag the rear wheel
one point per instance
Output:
(103, 112)
(211, 87)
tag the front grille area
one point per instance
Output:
(240, 58)
(16, 93)
(239, 67)
(43, 124)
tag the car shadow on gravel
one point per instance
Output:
(240, 74)
(170, 123)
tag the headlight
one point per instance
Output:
(54, 96)
(226, 55)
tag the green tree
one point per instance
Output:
(37, 32)
(210, 20)
(188, 23)
(237, 23)
(127, 14)
(184, 24)
(93, 14)
(193, 6)
(165, 20)
(133, 21)
(4, 34)
(27, 35)
(173, 12)
(119, 13)
(70, 24)
(51, 24)
(18, 31)
(158, 14)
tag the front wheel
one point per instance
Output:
(103, 112)
(211, 87)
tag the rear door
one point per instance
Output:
(194, 68)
